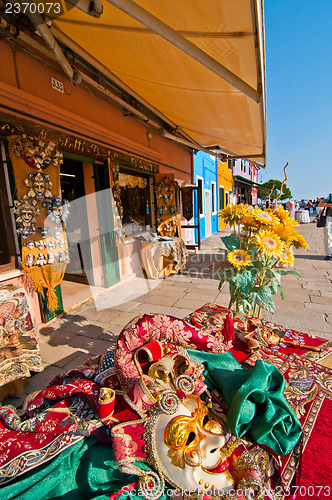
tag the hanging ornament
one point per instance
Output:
(43, 232)
(39, 185)
(26, 211)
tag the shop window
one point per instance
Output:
(214, 197)
(7, 242)
(226, 199)
(136, 204)
(201, 196)
(221, 198)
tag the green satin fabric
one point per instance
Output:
(84, 471)
(255, 399)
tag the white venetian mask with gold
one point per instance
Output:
(186, 448)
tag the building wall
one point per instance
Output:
(206, 168)
(34, 78)
(26, 91)
(225, 187)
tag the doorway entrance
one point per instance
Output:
(79, 268)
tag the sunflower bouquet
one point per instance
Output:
(259, 252)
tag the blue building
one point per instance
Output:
(206, 178)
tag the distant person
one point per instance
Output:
(327, 203)
(291, 208)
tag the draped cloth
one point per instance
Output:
(61, 421)
(255, 399)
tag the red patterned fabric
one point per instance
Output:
(67, 410)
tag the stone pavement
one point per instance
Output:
(93, 327)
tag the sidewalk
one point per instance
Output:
(93, 327)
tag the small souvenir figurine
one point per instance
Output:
(26, 211)
(57, 210)
(61, 243)
(39, 185)
(228, 331)
(50, 258)
(51, 245)
(39, 244)
(63, 256)
(29, 260)
(40, 260)
(57, 232)
(30, 244)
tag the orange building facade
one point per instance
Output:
(110, 162)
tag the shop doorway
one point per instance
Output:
(208, 228)
(79, 269)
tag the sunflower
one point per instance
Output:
(268, 243)
(233, 214)
(283, 216)
(301, 242)
(239, 258)
(264, 217)
(286, 233)
(287, 257)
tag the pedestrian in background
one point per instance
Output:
(328, 227)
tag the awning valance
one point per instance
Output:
(200, 65)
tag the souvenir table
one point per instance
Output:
(163, 255)
(140, 421)
(302, 216)
(19, 352)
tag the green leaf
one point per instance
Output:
(282, 295)
(243, 280)
(244, 306)
(274, 286)
(288, 271)
(231, 242)
(264, 299)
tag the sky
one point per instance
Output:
(298, 41)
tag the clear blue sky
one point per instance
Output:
(299, 95)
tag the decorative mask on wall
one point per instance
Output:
(26, 212)
(57, 209)
(39, 185)
(37, 153)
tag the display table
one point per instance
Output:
(163, 255)
(302, 216)
(19, 352)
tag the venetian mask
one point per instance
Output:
(188, 448)
(29, 158)
(26, 216)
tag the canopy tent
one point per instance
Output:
(199, 66)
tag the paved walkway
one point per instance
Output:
(93, 327)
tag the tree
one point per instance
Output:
(265, 190)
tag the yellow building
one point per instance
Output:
(225, 186)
